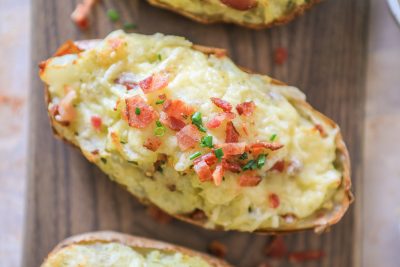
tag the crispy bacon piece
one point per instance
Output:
(302, 256)
(147, 113)
(230, 149)
(218, 174)
(224, 105)
(154, 82)
(203, 171)
(231, 166)
(249, 179)
(178, 109)
(188, 137)
(171, 122)
(209, 158)
(67, 48)
(277, 248)
(246, 108)
(320, 129)
(152, 143)
(240, 4)
(217, 249)
(81, 13)
(280, 55)
(279, 166)
(96, 122)
(267, 145)
(216, 121)
(273, 200)
(232, 135)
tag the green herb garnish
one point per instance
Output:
(196, 120)
(273, 137)
(122, 142)
(251, 165)
(261, 160)
(130, 26)
(113, 15)
(159, 57)
(243, 156)
(159, 124)
(137, 111)
(195, 155)
(104, 160)
(219, 153)
(159, 102)
(207, 141)
(160, 129)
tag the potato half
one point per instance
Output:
(183, 128)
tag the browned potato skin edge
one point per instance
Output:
(318, 225)
(283, 20)
(133, 242)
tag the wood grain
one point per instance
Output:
(67, 195)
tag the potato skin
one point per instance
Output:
(298, 11)
(134, 242)
(318, 223)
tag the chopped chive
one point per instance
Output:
(261, 160)
(195, 155)
(251, 165)
(104, 160)
(159, 102)
(196, 120)
(137, 111)
(219, 153)
(159, 57)
(159, 131)
(159, 124)
(122, 142)
(207, 141)
(243, 156)
(132, 162)
(130, 26)
(273, 137)
(113, 15)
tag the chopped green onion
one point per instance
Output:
(104, 160)
(219, 153)
(159, 124)
(159, 131)
(113, 15)
(159, 102)
(130, 26)
(159, 57)
(122, 142)
(132, 162)
(137, 111)
(195, 155)
(261, 160)
(251, 165)
(273, 137)
(196, 120)
(207, 141)
(243, 156)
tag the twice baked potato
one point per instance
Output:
(249, 13)
(183, 128)
(105, 249)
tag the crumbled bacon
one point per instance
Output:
(216, 121)
(273, 200)
(231, 166)
(267, 145)
(218, 174)
(154, 82)
(217, 249)
(203, 171)
(152, 143)
(280, 55)
(147, 113)
(277, 248)
(81, 13)
(178, 109)
(302, 256)
(171, 122)
(230, 149)
(249, 179)
(209, 158)
(188, 137)
(224, 105)
(69, 47)
(96, 122)
(279, 166)
(246, 108)
(232, 135)
(320, 129)
(240, 4)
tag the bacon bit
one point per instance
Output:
(217, 249)
(224, 105)
(177, 109)
(231, 166)
(302, 256)
(147, 113)
(158, 215)
(115, 43)
(320, 129)
(219, 118)
(188, 137)
(241, 5)
(232, 148)
(266, 145)
(277, 248)
(96, 122)
(273, 200)
(162, 97)
(280, 55)
(80, 16)
(203, 171)
(152, 143)
(244, 129)
(249, 179)
(232, 135)
(198, 215)
(155, 82)
(69, 47)
(171, 122)
(209, 158)
(218, 174)
(66, 111)
(279, 166)
(246, 108)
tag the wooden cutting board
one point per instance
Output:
(327, 60)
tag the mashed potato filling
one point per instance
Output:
(119, 255)
(86, 89)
